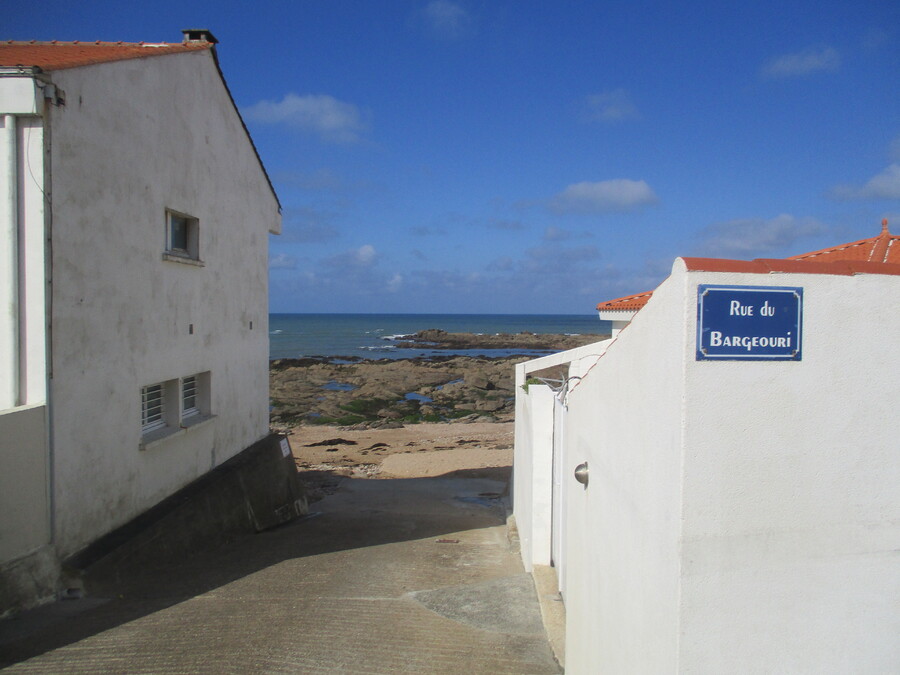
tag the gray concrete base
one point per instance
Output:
(502, 605)
(29, 581)
(553, 612)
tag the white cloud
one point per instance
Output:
(803, 63)
(501, 224)
(427, 231)
(282, 261)
(611, 106)
(553, 233)
(332, 120)
(620, 194)
(552, 259)
(885, 185)
(365, 255)
(350, 262)
(308, 225)
(447, 19)
(395, 283)
(754, 237)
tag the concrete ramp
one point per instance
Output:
(387, 576)
(504, 605)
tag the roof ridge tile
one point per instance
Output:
(875, 255)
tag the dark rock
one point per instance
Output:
(453, 383)
(489, 405)
(330, 441)
(439, 339)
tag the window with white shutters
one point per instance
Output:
(189, 395)
(153, 407)
(174, 407)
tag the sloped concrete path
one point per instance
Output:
(391, 576)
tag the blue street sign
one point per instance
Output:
(749, 323)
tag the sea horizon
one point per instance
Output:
(375, 335)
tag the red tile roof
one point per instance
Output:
(630, 303)
(59, 55)
(790, 266)
(876, 255)
(56, 55)
(885, 248)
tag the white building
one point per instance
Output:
(733, 514)
(134, 324)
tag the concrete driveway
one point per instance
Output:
(386, 576)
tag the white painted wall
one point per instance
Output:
(22, 261)
(532, 477)
(32, 255)
(135, 138)
(534, 450)
(9, 263)
(791, 502)
(622, 557)
(25, 528)
(740, 516)
(22, 275)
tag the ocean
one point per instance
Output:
(375, 335)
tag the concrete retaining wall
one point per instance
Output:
(258, 489)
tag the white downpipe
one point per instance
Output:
(9, 268)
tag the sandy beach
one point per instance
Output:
(325, 453)
(403, 418)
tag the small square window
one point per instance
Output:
(182, 236)
(179, 232)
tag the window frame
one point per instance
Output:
(190, 396)
(153, 398)
(173, 407)
(190, 253)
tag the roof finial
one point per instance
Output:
(884, 227)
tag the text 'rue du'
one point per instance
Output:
(737, 309)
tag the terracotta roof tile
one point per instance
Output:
(630, 303)
(56, 55)
(790, 266)
(885, 248)
(60, 55)
(876, 255)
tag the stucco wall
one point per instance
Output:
(791, 507)
(135, 138)
(740, 516)
(22, 257)
(624, 420)
(533, 463)
(536, 426)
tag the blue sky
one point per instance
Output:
(515, 156)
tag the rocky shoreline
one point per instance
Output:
(435, 338)
(389, 393)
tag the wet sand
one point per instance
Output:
(415, 450)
